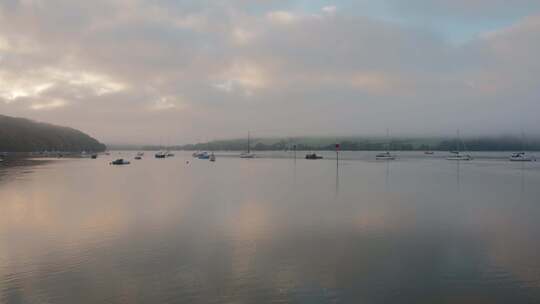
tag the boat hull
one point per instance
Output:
(459, 158)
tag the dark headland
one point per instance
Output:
(24, 135)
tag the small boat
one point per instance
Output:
(161, 154)
(521, 157)
(138, 157)
(385, 156)
(93, 156)
(203, 155)
(140, 154)
(120, 161)
(169, 154)
(212, 157)
(429, 152)
(313, 156)
(200, 154)
(458, 156)
(248, 153)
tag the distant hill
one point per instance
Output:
(486, 143)
(24, 135)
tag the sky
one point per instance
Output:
(174, 71)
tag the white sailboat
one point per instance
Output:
(386, 155)
(522, 156)
(457, 155)
(248, 153)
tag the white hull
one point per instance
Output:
(247, 155)
(521, 157)
(385, 156)
(459, 158)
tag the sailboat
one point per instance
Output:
(247, 154)
(456, 155)
(522, 156)
(386, 155)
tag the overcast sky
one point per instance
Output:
(173, 71)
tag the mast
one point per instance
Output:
(458, 139)
(248, 143)
(387, 140)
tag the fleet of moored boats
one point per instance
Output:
(456, 155)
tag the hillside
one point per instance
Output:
(24, 135)
(484, 143)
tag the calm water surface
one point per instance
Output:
(270, 230)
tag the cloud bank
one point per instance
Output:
(133, 71)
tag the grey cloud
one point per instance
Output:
(136, 71)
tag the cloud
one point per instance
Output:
(48, 105)
(282, 17)
(120, 66)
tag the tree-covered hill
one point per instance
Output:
(481, 143)
(24, 135)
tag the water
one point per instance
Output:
(272, 230)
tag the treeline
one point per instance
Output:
(23, 135)
(503, 143)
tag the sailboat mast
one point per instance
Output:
(248, 143)
(387, 140)
(458, 139)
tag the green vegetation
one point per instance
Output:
(23, 135)
(501, 143)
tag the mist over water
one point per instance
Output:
(416, 230)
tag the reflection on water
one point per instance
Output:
(270, 230)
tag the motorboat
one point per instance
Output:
(203, 155)
(429, 152)
(385, 156)
(521, 157)
(120, 161)
(313, 156)
(93, 156)
(138, 157)
(161, 154)
(456, 155)
(169, 154)
(141, 154)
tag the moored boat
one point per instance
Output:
(385, 156)
(247, 154)
(521, 157)
(458, 156)
(313, 156)
(161, 154)
(120, 161)
(203, 155)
